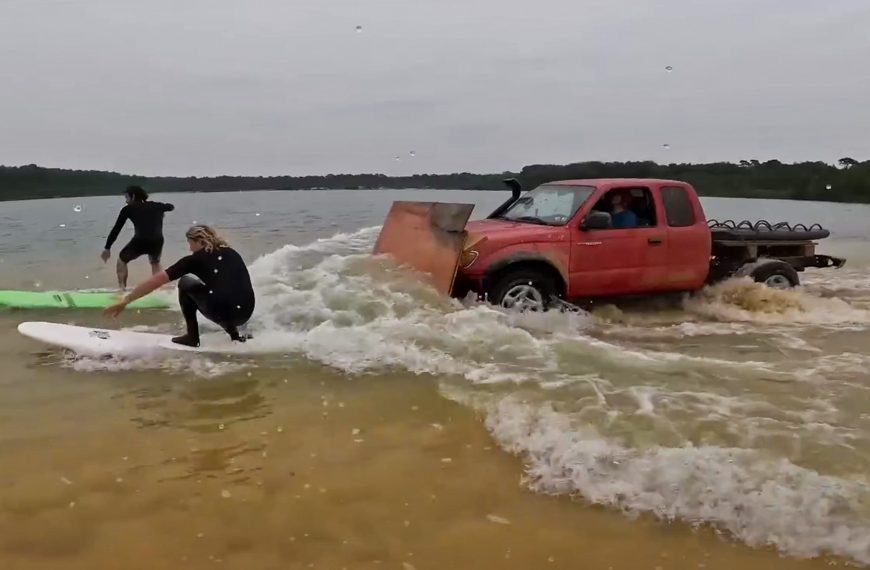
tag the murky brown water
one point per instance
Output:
(376, 425)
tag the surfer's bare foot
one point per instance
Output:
(186, 340)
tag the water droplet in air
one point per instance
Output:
(66, 481)
(354, 431)
(497, 519)
(62, 226)
(828, 187)
(119, 480)
(239, 307)
(220, 426)
(77, 208)
(215, 270)
(257, 214)
(446, 460)
(669, 68)
(397, 157)
(358, 29)
(412, 153)
(666, 146)
(87, 276)
(211, 292)
(226, 494)
(37, 284)
(220, 257)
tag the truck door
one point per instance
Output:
(689, 239)
(621, 261)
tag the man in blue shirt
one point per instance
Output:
(621, 216)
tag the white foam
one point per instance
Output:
(198, 366)
(743, 300)
(762, 500)
(626, 412)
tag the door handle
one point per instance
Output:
(654, 241)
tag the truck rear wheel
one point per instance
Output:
(775, 274)
(523, 290)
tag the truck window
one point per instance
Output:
(678, 207)
(548, 204)
(638, 201)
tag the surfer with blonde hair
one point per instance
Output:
(213, 280)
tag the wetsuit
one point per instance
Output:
(625, 219)
(147, 218)
(216, 283)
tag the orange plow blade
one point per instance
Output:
(427, 236)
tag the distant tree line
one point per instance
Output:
(847, 181)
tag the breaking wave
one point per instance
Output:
(622, 409)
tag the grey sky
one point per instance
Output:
(263, 87)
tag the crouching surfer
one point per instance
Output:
(213, 280)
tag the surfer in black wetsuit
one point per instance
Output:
(147, 218)
(212, 280)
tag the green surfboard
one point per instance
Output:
(72, 300)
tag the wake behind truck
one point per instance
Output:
(567, 241)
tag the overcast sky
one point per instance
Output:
(263, 87)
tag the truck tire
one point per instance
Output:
(523, 290)
(775, 274)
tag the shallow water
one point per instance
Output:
(374, 424)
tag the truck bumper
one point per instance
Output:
(820, 261)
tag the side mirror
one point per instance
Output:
(596, 221)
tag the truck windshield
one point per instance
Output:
(548, 204)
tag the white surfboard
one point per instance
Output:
(106, 342)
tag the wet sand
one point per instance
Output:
(300, 468)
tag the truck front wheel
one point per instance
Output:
(523, 290)
(775, 274)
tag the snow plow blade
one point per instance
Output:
(427, 236)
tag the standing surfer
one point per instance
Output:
(147, 218)
(213, 280)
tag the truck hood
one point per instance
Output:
(494, 231)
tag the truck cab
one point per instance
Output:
(577, 239)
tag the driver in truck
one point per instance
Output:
(621, 216)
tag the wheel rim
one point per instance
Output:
(778, 282)
(523, 298)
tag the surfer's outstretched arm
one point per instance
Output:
(123, 216)
(154, 282)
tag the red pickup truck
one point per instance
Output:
(577, 240)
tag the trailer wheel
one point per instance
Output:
(523, 290)
(775, 274)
